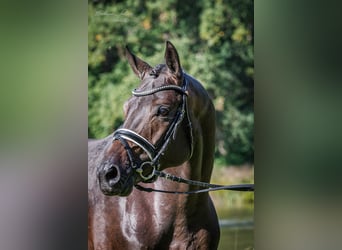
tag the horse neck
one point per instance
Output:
(203, 125)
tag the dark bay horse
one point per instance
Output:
(169, 125)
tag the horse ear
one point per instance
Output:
(138, 66)
(172, 60)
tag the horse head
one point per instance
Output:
(156, 133)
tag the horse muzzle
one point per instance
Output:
(114, 181)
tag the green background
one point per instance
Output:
(215, 42)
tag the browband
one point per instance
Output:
(155, 90)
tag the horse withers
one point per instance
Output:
(169, 125)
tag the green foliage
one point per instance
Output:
(215, 43)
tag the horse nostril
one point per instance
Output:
(112, 175)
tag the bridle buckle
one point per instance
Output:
(140, 170)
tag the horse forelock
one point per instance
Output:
(157, 69)
(157, 77)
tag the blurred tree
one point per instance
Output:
(215, 42)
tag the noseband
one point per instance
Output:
(154, 153)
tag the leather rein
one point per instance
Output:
(149, 170)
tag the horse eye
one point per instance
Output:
(162, 110)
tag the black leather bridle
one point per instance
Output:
(154, 152)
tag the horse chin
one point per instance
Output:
(122, 193)
(125, 190)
